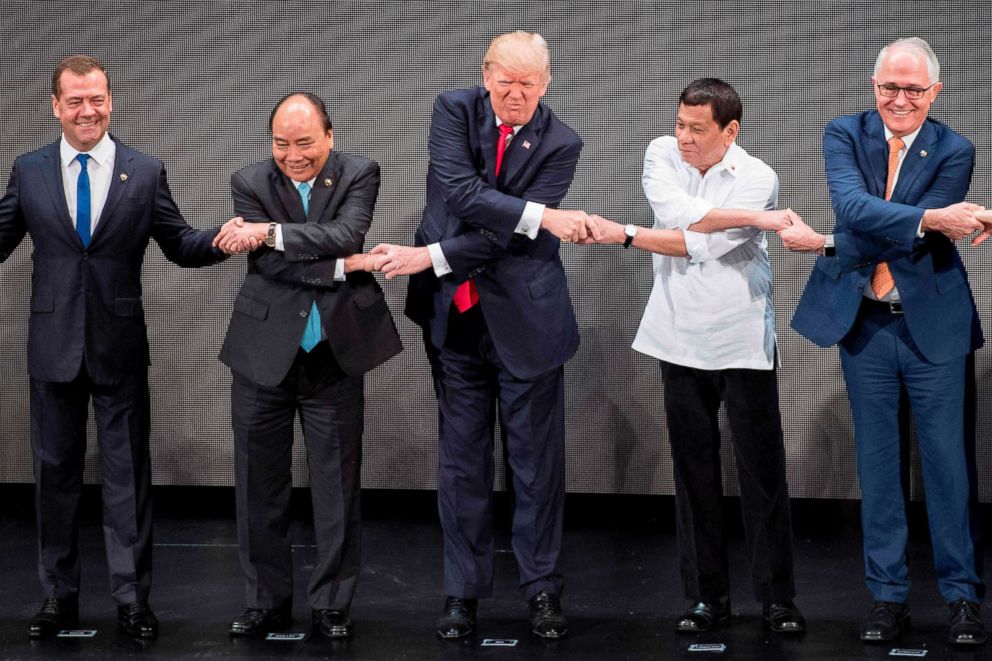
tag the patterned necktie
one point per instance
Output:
(83, 200)
(467, 295)
(882, 281)
(311, 334)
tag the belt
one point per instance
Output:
(892, 307)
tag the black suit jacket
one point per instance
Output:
(271, 309)
(522, 286)
(86, 302)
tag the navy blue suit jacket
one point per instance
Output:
(522, 287)
(86, 302)
(933, 286)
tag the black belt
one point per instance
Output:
(891, 307)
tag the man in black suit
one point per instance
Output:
(490, 292)
(301, 336)
(90, 205)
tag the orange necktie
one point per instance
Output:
(882, 281)
(467, 295)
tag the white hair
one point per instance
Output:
(916, 45)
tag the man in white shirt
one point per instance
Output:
(711, 323)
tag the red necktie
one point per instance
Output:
(882, 281)
(467, 295)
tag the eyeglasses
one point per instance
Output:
(891, 90)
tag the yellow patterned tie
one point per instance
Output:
(881, 280)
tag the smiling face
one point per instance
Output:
(83, 107)
(702, 143)
(300, 145)
(905, 68)
(514, 94)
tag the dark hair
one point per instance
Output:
(718, 95)
(79, 65)
(315, 100)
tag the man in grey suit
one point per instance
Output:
(302, 334)
(91, 204)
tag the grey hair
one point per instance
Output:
(912, 44)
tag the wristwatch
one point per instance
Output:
(270, 236)
(631, 232)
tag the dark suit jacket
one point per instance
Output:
(271, 309)
(932, 282)
(472, 214)
(86, 303)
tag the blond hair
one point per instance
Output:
(519, 51)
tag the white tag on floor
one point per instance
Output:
(76, 633)
(718, 648)
(895, 651)
(499, 642)
(285, 636)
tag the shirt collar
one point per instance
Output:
(102, 152)
(516, 129)
(297, 184)
(906, 139)
(729, 163)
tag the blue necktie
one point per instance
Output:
(83, 201)
(311, 334)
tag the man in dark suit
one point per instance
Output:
(891, 291)
(301, 336)
(498, 322)
(90, 205)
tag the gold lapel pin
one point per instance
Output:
(123, 176)
(923, 153)
(328, 182)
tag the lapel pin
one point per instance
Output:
(923, 153)
(123, 176)
(328, 182)
(526, 144)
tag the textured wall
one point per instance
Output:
(194, 83)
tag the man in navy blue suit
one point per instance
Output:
(891, 291)
(90, 205)
(498, 321)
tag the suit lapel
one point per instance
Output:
(324, 186)
(53, 182)
(287, 194)
(521, 148)
(877, 153)
(123, 161)
(488, 136)
(914, 162)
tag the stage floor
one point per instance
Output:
(620, 564)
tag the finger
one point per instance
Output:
(979, 239)
(380, 249)
(239, 221)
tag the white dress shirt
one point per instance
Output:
(100, 169)
(280, 246)
(529, 225)
(713, 309)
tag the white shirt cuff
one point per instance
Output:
(530, 220)
(339, 270)
(437, 259)
(279, 244)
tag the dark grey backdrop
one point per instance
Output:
(194, 83)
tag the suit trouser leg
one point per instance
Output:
(692, 400)
(465, 388)
(532, 416)
(878, 357)
(58, 443)
(122, 413)
(262, 418)
(332, 414)
(751, 397)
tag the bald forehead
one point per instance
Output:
(297, 107)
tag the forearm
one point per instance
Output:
(661, 241)
(718, 220)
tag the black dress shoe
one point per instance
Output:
(966, 624)
(546, 618)
(703, 616)
(137, 619)
(458, 619)
(332, 623)
(55, 614)
(885, 622)
(256, 621)
(783, 617)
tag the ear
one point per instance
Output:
(730, 131)
(55, 106)
(330, 139)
